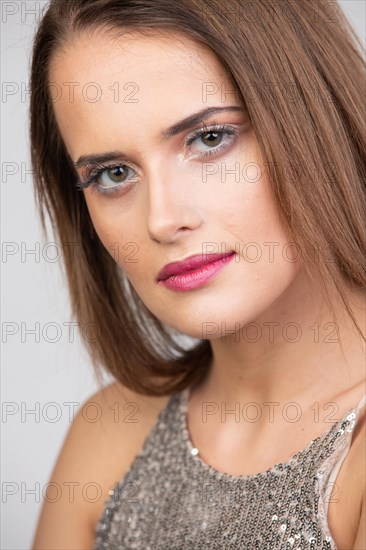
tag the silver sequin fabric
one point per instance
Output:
(170, 499)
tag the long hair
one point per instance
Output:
(300, 73)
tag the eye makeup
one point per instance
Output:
(94, 172)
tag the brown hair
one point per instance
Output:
(300, 73)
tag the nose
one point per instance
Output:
(171, 211)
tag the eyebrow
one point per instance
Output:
(177, 128)
(195, 119)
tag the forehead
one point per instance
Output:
(134, 48)
(157, 78)
(166, 58)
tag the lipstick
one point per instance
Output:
(193, 272)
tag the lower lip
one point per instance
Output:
(197, 278)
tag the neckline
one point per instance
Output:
(350, 416)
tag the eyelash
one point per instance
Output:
(95, 171)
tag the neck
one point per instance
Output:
(296, 350)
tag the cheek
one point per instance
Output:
(268, 257)
(248, 211)
(103, 228)
(118, 237)
(123, 242)
(237, 194)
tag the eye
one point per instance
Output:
(111, 179)
(107, 179)
(216, 138)
(117, 174)
(213, 138)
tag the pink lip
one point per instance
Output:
(190, 264)
(194, 271)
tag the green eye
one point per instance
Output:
(117, 174)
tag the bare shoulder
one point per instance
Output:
(126, 418)
(107, 432)
(359, 479)
(347, 494)
(359, 473)
(355, 478)
(360, 541)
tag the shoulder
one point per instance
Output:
(347, 491)
(125, 419)
(359, 442)
(117, 404)
(360, 474)
(360, 541)
(357, 478)
(106, 434)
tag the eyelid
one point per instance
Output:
(215, 127)
(207, 127)
(94, 170)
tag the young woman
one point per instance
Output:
(203, 164)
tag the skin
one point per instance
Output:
(169, 212)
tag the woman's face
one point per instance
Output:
(176, 195)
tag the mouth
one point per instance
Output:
(192, 265)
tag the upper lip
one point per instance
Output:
(190, 264)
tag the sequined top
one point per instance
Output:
(170, 499)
